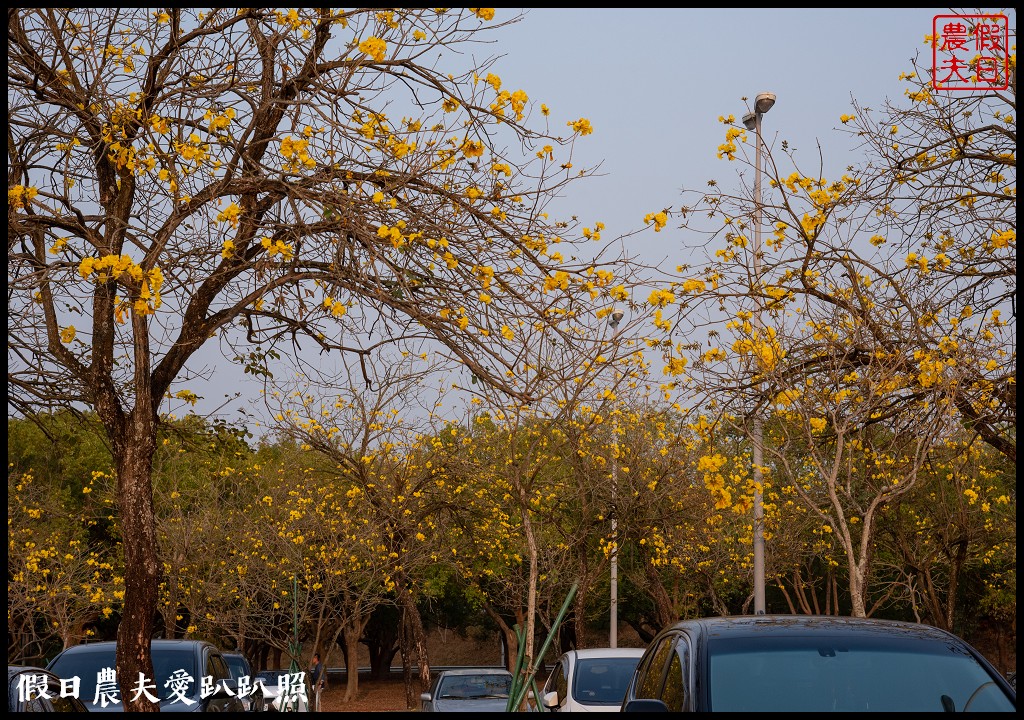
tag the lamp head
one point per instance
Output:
(616, 317)
(750, 121)
(764, 102)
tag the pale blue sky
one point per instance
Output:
(653, 83)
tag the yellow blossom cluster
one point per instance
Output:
(560, 280)
(20, 196)
(230, 215)
(1002, 239)
(336, 308)
(694, 286)
(714, 481)
(582, 126)
(278, 247)
(517, 100)
(659, 219)
(661, 298)
(394, 234)
(764, 347)
(931, 369)
(124, 269)
(218, 121)
(374, 47)
(675, 366)
(296, 153)
(728, 148)
(194, 150)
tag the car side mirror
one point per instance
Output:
(645, 705)
(425, 697)
(551, 699)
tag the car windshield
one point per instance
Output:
(603, 681)
(471, 687)
(850, 674)
(270, 677)
(87, 663)
(237, 665)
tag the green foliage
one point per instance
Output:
(64, 449)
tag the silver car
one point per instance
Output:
(468, 690)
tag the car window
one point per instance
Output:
(63, 704)
(238, 666)
(557, 681)
(66, 704)
(674, 692)
(474, 687)
(218, 668)
(602, 681)
(649, 683)
(34, 705)
(848, 674)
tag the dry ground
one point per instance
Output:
(373, 696)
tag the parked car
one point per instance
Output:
(468, 690)
(801, 663)
(34, 689)
(249, 691)
(272, 684)
(589, 680)
(179, 666)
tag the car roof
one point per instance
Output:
(747, 626)
(475, 671)
(13, 670)
(606, 652)
(108, 645)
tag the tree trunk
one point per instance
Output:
(509, 646)
(663, 608)
(406, 646)
(134, 458)
(352, 631)
(418, 636)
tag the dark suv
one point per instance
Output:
(184, 669)
(250, 692)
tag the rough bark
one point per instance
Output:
(141, 572)
(418, 637)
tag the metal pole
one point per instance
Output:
(613, 615)
(613, 622)
(759, 606)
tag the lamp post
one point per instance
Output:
(613, 620)
(752, 121)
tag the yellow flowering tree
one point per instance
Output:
(951, 544)
(60, 582)
(383, 464)
(872, 313)
(532, 513)
(261, 176)
(941, 180)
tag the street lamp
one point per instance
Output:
(752, 121)
(613, 621)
